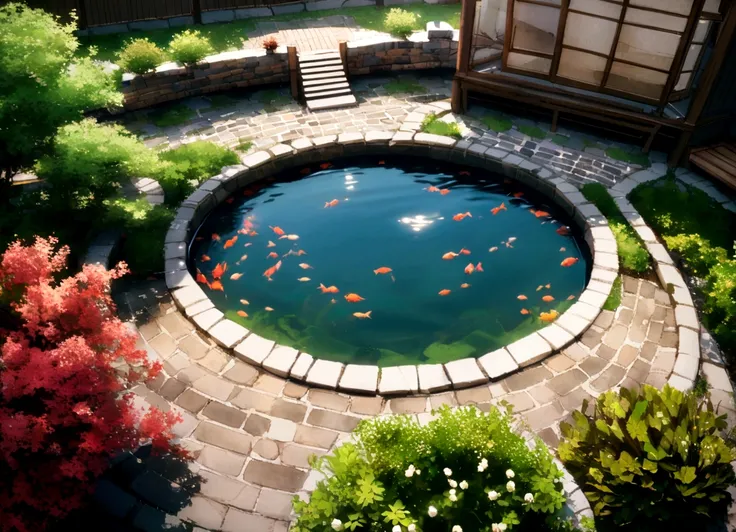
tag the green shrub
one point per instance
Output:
(189, 47)
(140, 56)
(720, 304)
(613, 301)
(144, 228)
(432, 124)
(398, 470)
(696, 252)
(400, 22)
(631, 252)
(650, 457)
(192, 164)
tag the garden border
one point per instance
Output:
(398, 380)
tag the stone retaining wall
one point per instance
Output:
(419, 52)
(401, 380)
(221, 72)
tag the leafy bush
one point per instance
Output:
(631, 252)
(400, 22)
(144, 227)
(650, 456)
(720, 304)
(140, 56)
(699, 256)
(65, 407)
(192, 164)
(189, 47)
(42, 85)
(464, 470)
(432, 124)
(90, 160)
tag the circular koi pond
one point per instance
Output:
(390, 260)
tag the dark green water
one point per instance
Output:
(386, 218)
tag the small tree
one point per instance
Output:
(66, 365)
(42, 85)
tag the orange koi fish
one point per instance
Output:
(325, 166)
(449, 255)
(541, 214)
(231, 242)
(236, 276)
(562, 250)
(363, 315)
(524, 311)
(570, 297)
(549, 317)
(496, 210)
(300, 253)
(444, 292)
(548, 286)
(522, 297)
(562, 231)
(217, 285)
(271, 244)
(272, 255)
(548, 298)
(470, 268)
(304, 279)
(444, 191)
(252, 233)
(464, 251)
(331, 203)
(381, 162)
(569, 261)
(215, 237)
(461, 216)
(353, 298)
(242, 314)
(268, 309)
(328, 289)
(465, 285)
(201, 278)
(205, 258)
(518, 194)
(463, 172)
(432, 188)
(494, 248)
(219, 270)
(305, 266)
(276, 230)
(289, 237)
(479, 267)
(270, 271)
(382, 270)
(244, 302)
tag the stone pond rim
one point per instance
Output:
(397, 380)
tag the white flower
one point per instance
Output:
(457, 528)
(452, 483)
(447, 471)
(418, 472)
(396, 528)
(498, 527)
(493, 495)
(412, 528)
(463, 485)
(432, 511)
(510, 486)
(336, 524)
(528, 498)
(510, 474)
(410, 471)
(453, 497)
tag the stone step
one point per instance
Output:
(324, 75)
(324, 81)
(311, 60)
(328, 94)
(319, 70)
(318, 56)
(308, 91)
(319, 64)
(331, 103)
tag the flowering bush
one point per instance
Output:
(648, 457)
(464, 471)
(66, 362)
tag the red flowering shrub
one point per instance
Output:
(66, 362)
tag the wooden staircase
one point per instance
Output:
(323, 81)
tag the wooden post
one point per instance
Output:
(344, 55)
(293, 71)
(82, 14)
(467, 19)
(197, 11)
(555, 117)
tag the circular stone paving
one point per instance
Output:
(404, 379)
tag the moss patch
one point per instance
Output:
(533, 131)
(398, 86)
(560, 140)
(432, 124)
(497, 123)
(614, 298)
(633, 157)
(439, 353)
(171, 115)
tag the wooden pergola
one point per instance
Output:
(635, 65)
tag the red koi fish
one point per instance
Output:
(382, 270)
(230, 200)
(217, 285)
(206, 258)
(270, 271)
(444, 191)
(461, 216)
(463, 172)
(518, 194)
(449, 255)
(496, 210)
(562, 231)
(548, 299)
(541, 214)
(331, 203)
(432, 189)
(444, 292)
(201, 278)
(470, 268)
(219, 270)
(353, 298)
(215, 237)
(230, 242)
(277, 230)
(381, 162)
(464, 251)
(524, 311)
(328, 289)
(325, 166)
(273, 255)
(305, 171)
(569, 261)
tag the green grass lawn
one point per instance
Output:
(398, 86)
(432, 124)
(229, 35)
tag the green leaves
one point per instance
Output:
(685, 475)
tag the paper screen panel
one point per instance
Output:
(692, 57)
(712, 6)
(682, 81)
(647, 47)
(529, 63)
(535, 27)
(597, 7)
(589, 33)
(579, 66)
(701, 30)
(636, 80)
(682, 7)
(655, 20)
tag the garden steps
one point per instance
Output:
(324, 81)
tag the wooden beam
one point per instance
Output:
(467, 21)
(507, 38)
(616, 36)
(725, 37)
(558, 41)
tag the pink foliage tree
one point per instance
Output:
(67, 363)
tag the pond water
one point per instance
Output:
(389, 261)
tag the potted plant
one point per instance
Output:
(270, 44)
